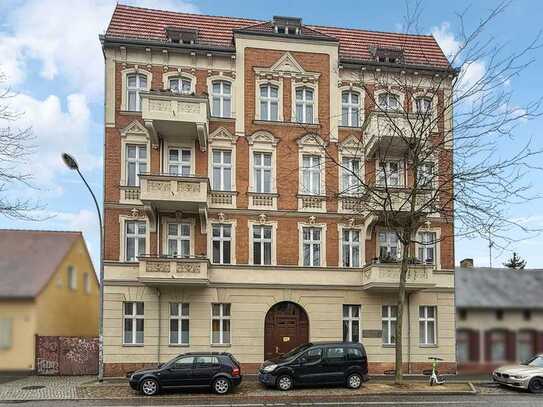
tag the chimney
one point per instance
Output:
(466, 263)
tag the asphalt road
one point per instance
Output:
(502, 400)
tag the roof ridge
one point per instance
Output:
(369, 31)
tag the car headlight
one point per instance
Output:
(270, 368)
(518, 376)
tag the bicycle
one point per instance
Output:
(434, 374)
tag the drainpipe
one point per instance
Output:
(408, 333)
(159, 323)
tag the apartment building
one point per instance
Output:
(223, 227)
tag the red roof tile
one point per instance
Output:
(130, 22)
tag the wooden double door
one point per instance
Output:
(286, 326)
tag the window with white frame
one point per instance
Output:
(312, 243)
(351, 247)
(427, 325)
(304, 105)
(389, 174)
(351, 323)
(221, 99)
(135, 83)
(427, 247)
(350, 177)
(180, 161)
(269, 102)
(220, 324)
(136, 163)
(72, 278)
(179, 239)
(262, 173)
(350, 108)
(180, 85)
(389, 315)
(222, 170)
(262, 244)
(133, 323)
(179, 323)
(389, 245)
(6, 333)
(311, 174)
(423, 105)
(86, 283)
(388, 101)
(135, 236)
(221, 242)
(425, 174)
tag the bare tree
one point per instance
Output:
(15, 148)
(424, 166)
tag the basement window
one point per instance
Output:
(186, 36)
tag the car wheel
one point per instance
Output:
(284, 382)
(149, 387)
(536, 385)
(354, 381)
(221, 385)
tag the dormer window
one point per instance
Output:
(387, 55)
(287, 25)
(184, 36)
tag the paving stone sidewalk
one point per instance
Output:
(44, 388)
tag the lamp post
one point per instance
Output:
(71, 163)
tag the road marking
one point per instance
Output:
(352, 403)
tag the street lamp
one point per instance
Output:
(71, 163)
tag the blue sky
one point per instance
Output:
(50, 51)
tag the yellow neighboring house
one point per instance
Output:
(48, 287)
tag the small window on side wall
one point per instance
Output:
(72, 278)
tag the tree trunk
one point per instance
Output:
(398, 373)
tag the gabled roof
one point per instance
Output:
(135, 23)
(29, 258)
(498, 288)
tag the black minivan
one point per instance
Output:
(218, 371)
(343, 363)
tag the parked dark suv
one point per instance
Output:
(317, 363)
(219, 371)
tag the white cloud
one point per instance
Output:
(62, 37)
(446, 39)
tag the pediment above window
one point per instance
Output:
(222, 134)
(263, 137)
(286, 66)
(135, 128)
(353, 145)
(313, 140)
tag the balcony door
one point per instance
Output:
(180, 161)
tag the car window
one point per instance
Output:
(184, 363)
(354, 354)
(335, 353)
(206, 361)
(313, 355)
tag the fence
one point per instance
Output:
(66, 355)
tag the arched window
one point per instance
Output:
(221, 96)
(423, 105)
(304, 105)
(269, 102)
(135, 83)
(350, 108)
(180, 85)
(388, 101)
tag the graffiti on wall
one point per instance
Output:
(66, 355)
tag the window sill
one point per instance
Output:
(283, 123)
(130, 112)
(389, 345)
(179, 345)
(222, 119)
(133, 345)
(359, 128)
(432, 345)
(220, 345)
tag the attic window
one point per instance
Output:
(185, 36)
(287, 25)
(387, 55)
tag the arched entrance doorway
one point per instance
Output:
(286, 326)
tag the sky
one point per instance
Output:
(50, 53)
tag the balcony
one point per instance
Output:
(387, 132)
(157, 271)
(397, 200)
(386, 277)
(176, 116)
(171, 193)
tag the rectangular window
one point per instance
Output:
(427, 325)
(178, 239)
(136, 163)
(222, 170)
(462, 346)
(133, 323)
(389, 314)
(135, 235)
(389, 174)
(221, 95)
(312, 246)
(135, 83)
(351, 247)
(72, 278)
(179, 323)
(388, 245)
(269, 102)
(262, 244)
(311, 174)
(427, 247)
(180, 161)
(351, 323)
(304, 105)
(350, 108)
(86, 283)
(6, 333)
(425, 175)
(220, 324)
(221, 243)
(262, 172)
(498, 346)
(351, 176)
